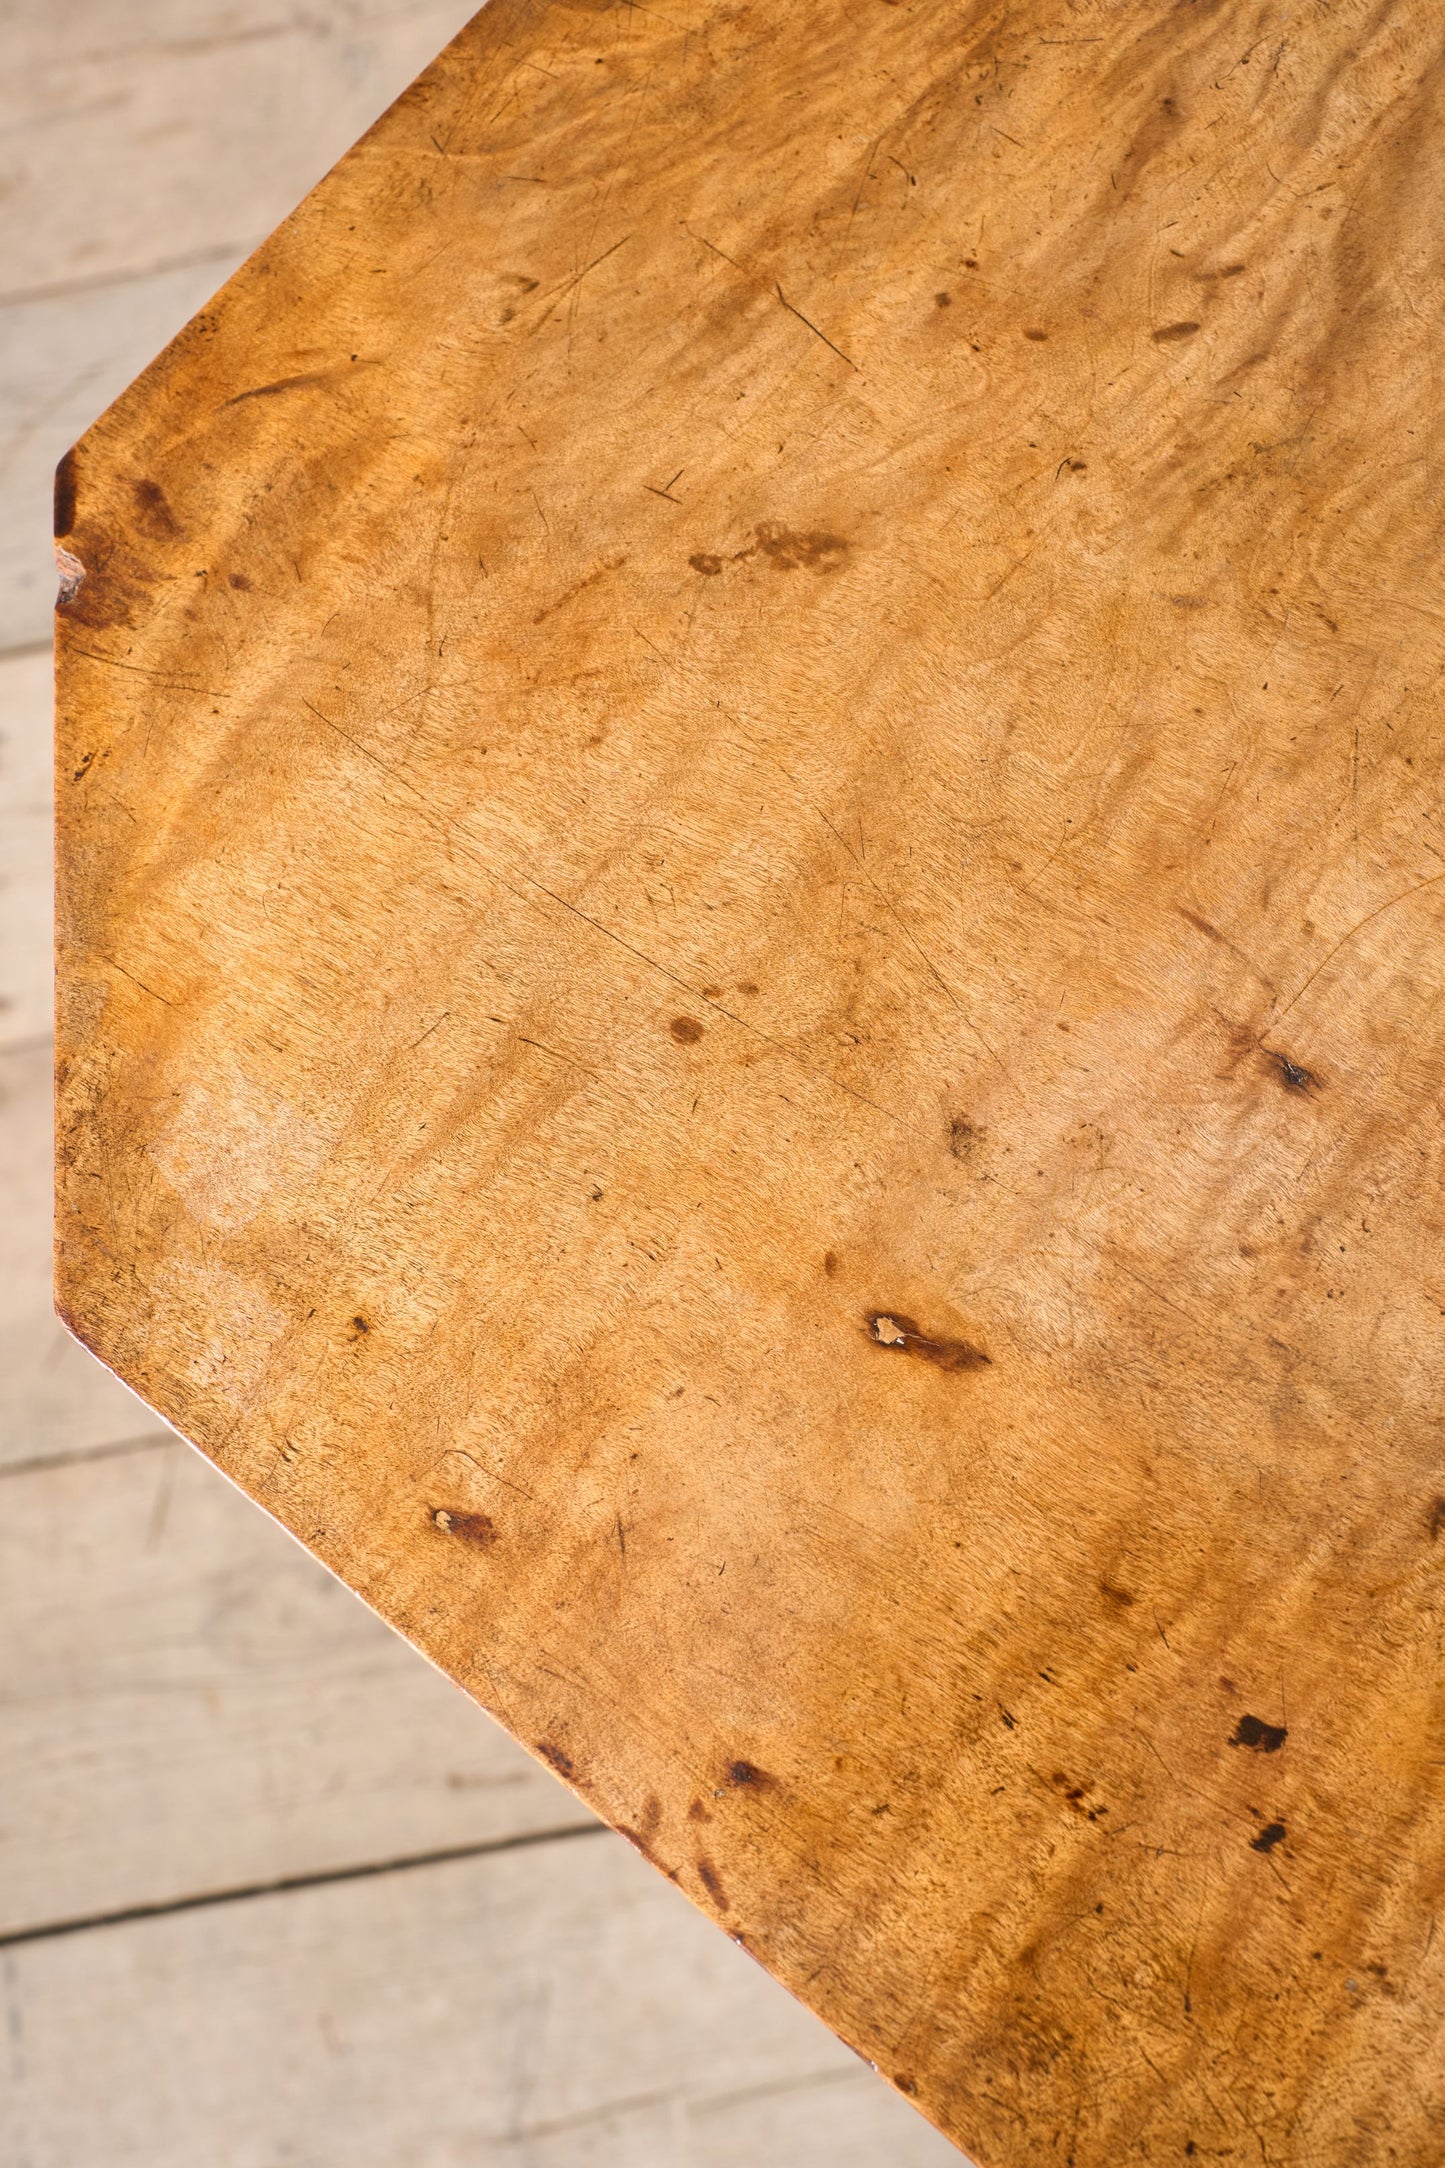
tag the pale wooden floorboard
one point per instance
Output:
(25, 849)
(54, 1397)
(557, 2007)
(189, 1703)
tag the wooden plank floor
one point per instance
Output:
(556, 2005)
(270, 1889)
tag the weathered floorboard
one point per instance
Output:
(55, 1399)
(27, 968)
(555, 2006)
(190, 1704)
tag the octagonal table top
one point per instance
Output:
(751, 873)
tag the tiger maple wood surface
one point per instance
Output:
(751, 995)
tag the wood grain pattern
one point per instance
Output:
(751, 995)
(146, 151)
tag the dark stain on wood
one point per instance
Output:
(1293, 1074)
(65, 497)
(303, 382)
(785, 548)
(712, 1883)
(746, 1774)
(890, 1328)
(1076, 1797)
(155, 513)
(1252, 1731)
(475, 1528)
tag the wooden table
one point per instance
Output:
(752, 1003)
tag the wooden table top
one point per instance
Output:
(752, 1001)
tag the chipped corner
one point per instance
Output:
(70, 576)
(70, 572)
